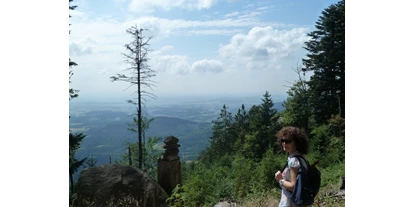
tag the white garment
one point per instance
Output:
(295, 163)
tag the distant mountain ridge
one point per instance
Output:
(107, 133)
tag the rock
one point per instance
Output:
(118, 184)
(170, 140)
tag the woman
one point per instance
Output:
(293, 141)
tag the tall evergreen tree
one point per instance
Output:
(267, 109)
(269, 118)
(140, 75)
(223, 137)
(326, 58)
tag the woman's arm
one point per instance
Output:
(288, 185)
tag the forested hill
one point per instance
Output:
(107, 133)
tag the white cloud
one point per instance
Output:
(153, 26)
(205, 65)
(231, 14)
(170, 64)
(149, 6)
(263, 47)
(161, 27)
(82, 47)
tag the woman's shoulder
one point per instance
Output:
(294, 161)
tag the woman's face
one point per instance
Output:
(288, 144)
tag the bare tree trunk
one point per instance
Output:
(339, 106)
(139, 101)
(140, 75)
(71, 183)
(129, 155)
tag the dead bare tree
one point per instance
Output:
(140, 75)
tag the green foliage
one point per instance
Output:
(91, 161)
(224, 133)
(238, 177)
(243, 175)
(151, 152)
(199, 189)
(326, 58)
(176, 199)
(297, 105)
(332, 174)
(251, 146)
(74, 164)
(319, 143)
(328, 142)
(270, 163)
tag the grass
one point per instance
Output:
(272, 197)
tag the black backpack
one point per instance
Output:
(307, 183)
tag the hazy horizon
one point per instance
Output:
(162, 100)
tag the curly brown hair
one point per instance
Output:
(298, 135)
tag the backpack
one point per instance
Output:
(307, 184)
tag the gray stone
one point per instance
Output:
(117, 183)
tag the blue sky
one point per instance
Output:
(199, 47)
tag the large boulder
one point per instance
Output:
(118, 185)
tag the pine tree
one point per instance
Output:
(326, 58)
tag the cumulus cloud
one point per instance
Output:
(162, 62)
(263, 47)
(205, 65)
(150, 5)
(171, 64)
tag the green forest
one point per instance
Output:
(243, 153)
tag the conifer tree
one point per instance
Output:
(326, 58)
